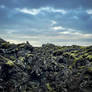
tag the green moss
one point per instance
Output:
(81, 67)
(70, 67)
(80, 57)
(16, 49)
(86, 76)
(5, 45)
(89, 57)
(12, 58)
(49, 87)
(21, 58)
(86, 54)
(89, 69)
(82, 47)
(74, 62)
(77, 59)
(22, 45)
(61, 66)
(29, 55)
(58, 50)
(29, 67)
(70, 54)
(73, 55)
(78, 73)
(10, 63)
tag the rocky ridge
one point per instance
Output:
(50, 68)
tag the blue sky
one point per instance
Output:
(61, 22)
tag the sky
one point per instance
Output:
(60, 22)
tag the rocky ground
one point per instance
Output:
(50, 68)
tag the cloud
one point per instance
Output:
(61, 28)
(53, 22)
(65, 37)
(75, 34)
(58, 28)
(89, 11)
(76, 17)
(2, 6)
(35, 11)
(74, 42)
(70, 33)
(65, 32)
(67, 4)
(27, 11)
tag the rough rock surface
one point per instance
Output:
(49, 68)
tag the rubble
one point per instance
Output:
(50, 68)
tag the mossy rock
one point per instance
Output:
(86, 54)
(16, 49)
(86, 76)
(12, 58)
(81, 67)
(89, 69)
(82, 47)
(21, 58)
(22, 45)
(29, 55)
(73, 55)
(49, 87)
(5, 45)
(70, 67)
(70, 54)
(29, 67)
(58, 52)
(76, 59)
(89, 57)
(10, 63)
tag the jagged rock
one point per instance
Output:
(49, 68)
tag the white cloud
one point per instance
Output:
(64, 38)
(58, 28)
(68, 36)
(28, 11)
(28, 37)
(53, 22)
(2, 6)
(76, 17)
(65, 32)
(89, 11)
(74, 42)
(75, 34)
(69, 33)
(40, 10)
(50, 9)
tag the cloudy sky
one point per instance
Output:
(61, 22)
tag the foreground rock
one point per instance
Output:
(49, 68)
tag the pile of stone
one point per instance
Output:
(50, 68)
